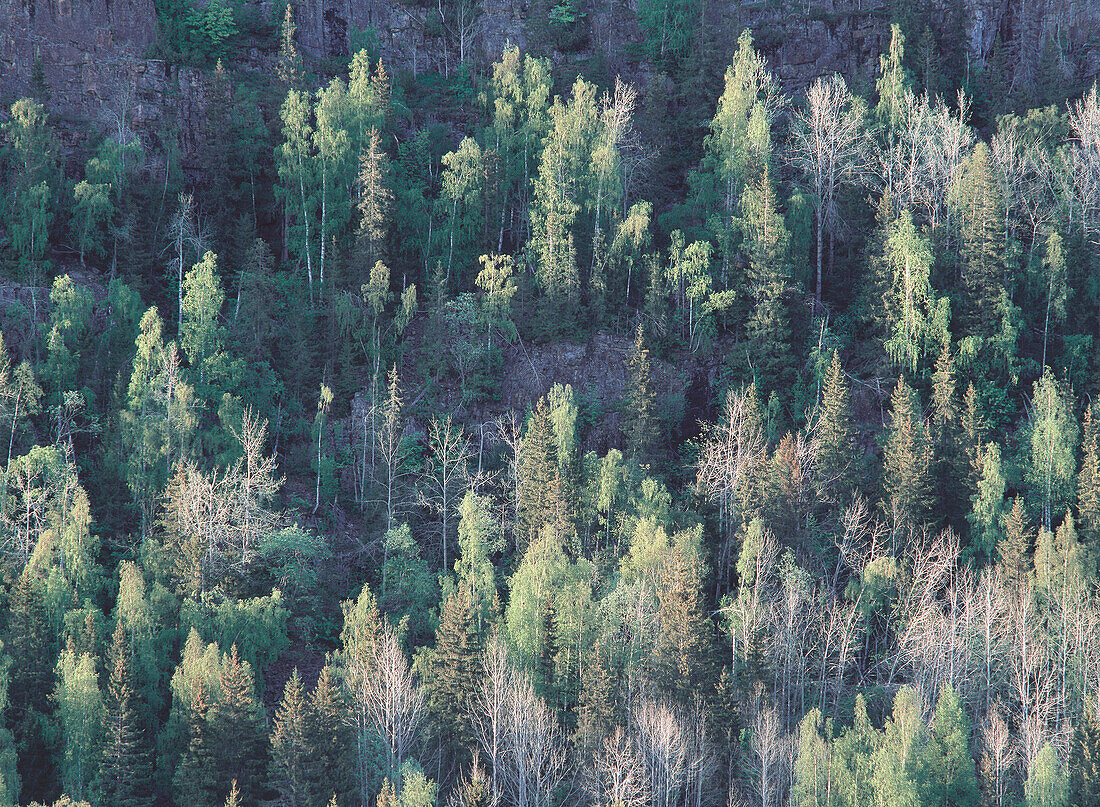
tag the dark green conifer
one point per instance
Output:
(291, 754)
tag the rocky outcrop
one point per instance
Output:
(95, 53)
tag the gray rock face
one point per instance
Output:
(94, 52)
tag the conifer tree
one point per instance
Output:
(833, 437)
(375, 196)
(453, 673)
(123, 772)
(536, 470)
(948, 767)
(329, 737)
(683, 644)
(907, 461)
(767, 244)
(640, 426)
(980, 211)
(239, 735)
(1088, 485)
(1012, 553)
(196, 778)
(291, 753)
(1084, 763)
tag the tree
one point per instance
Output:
(201, 337)
(520, 91)
(640, 427)
(296, 161)
(812, 767)
(948, 766)
(987, 513)
(454, 666)
(898, 776)
(31, 159)
(375, 196)
(324, 401)
(1054, 268)
(394, 699)
(80, 708)
(359, 639)
(907, 461)
(1052, 439)
(411, 589)
(537, 477)
(1047, 784)
(196, 778)
(1088, 484)
(1012, 552)
(916, 318)
(750, 97)
(767, 243)
(123, 771)
(478, 537)
(461, 186)
(329, 738)
(827, 138)
(559, 196)
(833, 437)
(1084, 762)
(980, 215)
(498, 288)
(291, 751)
(445, 472)
(683, 642)
(239, 736)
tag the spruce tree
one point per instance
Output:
(980, 211)
(536, 469)
(239, 735)
(682, 654)
(640, 428)
(291, 754)
(196, 779)
(1088, 485)
(330, 738)
(833, 435)
(907, 461)
(453, 673)
(948, 767)
(123, 772)
(1084, 763)
(1012, 553)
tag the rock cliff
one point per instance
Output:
(95, 53)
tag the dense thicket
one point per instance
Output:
(274, 529)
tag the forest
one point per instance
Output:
(308, 500)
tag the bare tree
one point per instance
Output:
(535, 753)
(489, 711)
(731, 453)
(662, 741)
(393, 698)
(445, 473)
(616, 777)
(768, 743)
(826, 146)
(184, 232)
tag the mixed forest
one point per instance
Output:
(273, 533)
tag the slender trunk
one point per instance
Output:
(820, 252)
(305, 221)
